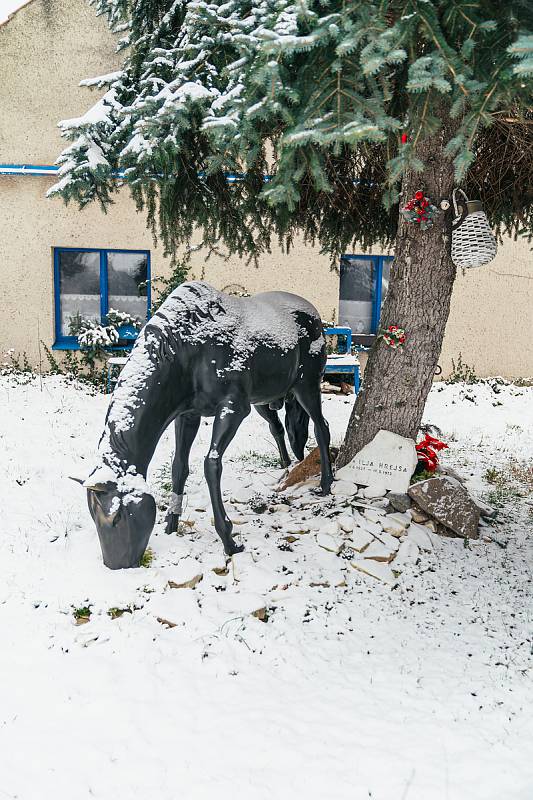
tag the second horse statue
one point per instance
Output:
(204, 354)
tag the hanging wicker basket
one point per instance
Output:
(473, 243)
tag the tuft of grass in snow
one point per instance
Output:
(522, 473)
(512, 481)
(147, 558)
(495, 476)
(185, 527)
(116, 612)
(257, 459)
(501, 497)
(82, 614)
(462, 373)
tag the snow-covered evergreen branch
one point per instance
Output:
(211, 87)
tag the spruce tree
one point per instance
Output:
(256, 120)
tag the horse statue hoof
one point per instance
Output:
(233, 548)
(172, 525)
(322, 491)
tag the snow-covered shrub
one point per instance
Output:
(97, 336)
(118, 319)
(17, 367)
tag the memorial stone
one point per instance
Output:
(389, 460)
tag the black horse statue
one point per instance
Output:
(204, 354)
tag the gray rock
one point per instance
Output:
(448, 502)
(452, 473)
(400, 502)
(418, 515)
(486, 511)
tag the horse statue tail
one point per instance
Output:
(296, 425)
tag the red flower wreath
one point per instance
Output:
(420, 211)
(394, 336)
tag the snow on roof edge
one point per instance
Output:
(11, 14)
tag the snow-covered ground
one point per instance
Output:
(8, 7)
(349, 690)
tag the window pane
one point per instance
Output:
(386, 278)
(79, 287)
(125, 273)
(356, 294)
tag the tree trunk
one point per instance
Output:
(397, 382)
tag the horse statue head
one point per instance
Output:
(124, 514)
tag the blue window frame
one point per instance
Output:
(89, 281)
(364, 281)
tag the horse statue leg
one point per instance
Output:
(276, 429)
(225, 427)
(185, 430)
(309, 397)
(297, 425)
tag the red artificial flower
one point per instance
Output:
(404, 138)
(429, 464)
(427, 456)
(393, 328)
(435, 443)
(419, 195)
(426, 451)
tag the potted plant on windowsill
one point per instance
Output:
(120, 329)
(126, 325)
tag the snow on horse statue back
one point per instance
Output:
(203, 354)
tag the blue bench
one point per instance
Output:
(343, 362)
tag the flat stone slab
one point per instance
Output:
(387, 462)
(345, 522)
(376, 569)
(376, 489)
(396, 523)
(360, 539)
(372, 527)
(345, 488)
(380, 552)
(185, 574)
(421, 535)
(373, 514)
(448, 502)
(408, 553)
(328, 542)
